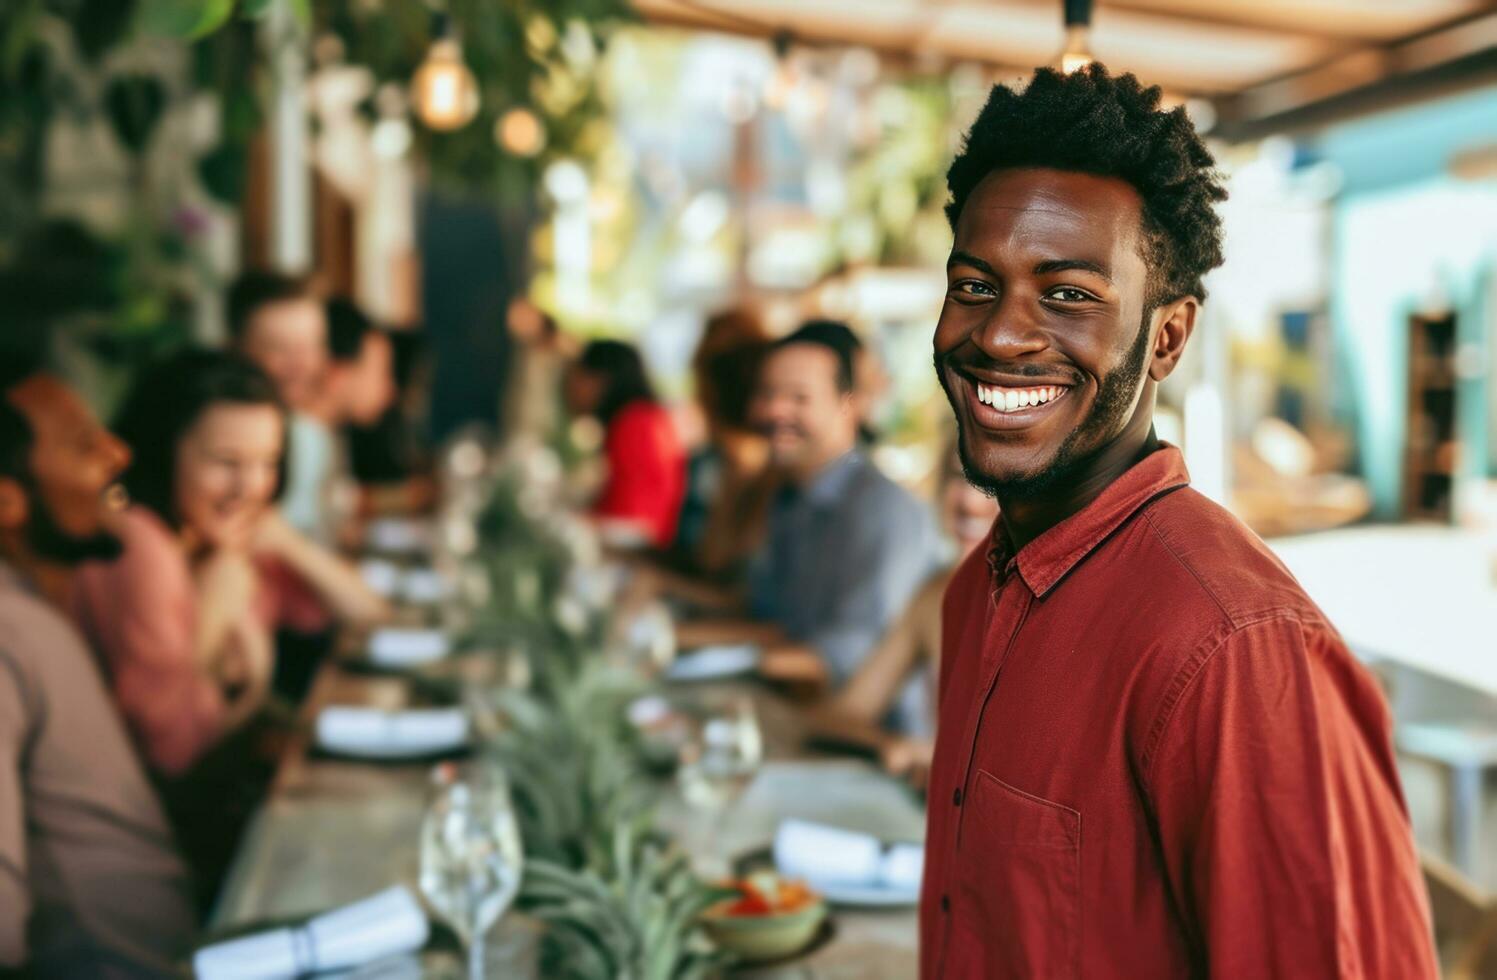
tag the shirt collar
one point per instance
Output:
(1044, 561)
(826, 488)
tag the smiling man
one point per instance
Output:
(1155, 758)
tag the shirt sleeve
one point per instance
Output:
(141, 608)
(1284, 837)
(887, 560)
(15, 897)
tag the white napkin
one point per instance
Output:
(381, 576)
(377, 734)
(381, 925)
(398, 535)
(424, 586)
(710, 662)
(397, 647)
(831, 855)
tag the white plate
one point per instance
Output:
(369, 733)
(712, 663)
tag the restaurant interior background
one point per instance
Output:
(631, 167)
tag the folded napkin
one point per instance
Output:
(424, 586)
(382, 925)
(398, 535)
(396, 647)
(833, 856)
(377, 734)
(710, 662)
(383, 577)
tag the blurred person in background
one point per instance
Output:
(845, 547)
(360, 389)
(1155, 757)
(91, 882)
(729, 480)
(281, 324)
(184, 618)
(532, 407)
(640, 501)
(209, 564)
(889, 704)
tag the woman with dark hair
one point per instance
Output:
(641, 496)
(184, 618)
(729, 483)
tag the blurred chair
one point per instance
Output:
(1465, 922)
(1467, 752)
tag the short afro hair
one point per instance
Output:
(1090, 121)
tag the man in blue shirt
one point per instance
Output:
(846, 547)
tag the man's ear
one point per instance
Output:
(15, 509)
(1177, 320)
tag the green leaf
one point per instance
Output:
(189, 19)
(256, 9)
(134, 104)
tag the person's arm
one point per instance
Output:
(711, 632)
(335, 581)
(143, 610)
(15, 894)
(856, 712)
(1280, 821)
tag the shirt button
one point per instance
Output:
(945, 903)
(956, 796)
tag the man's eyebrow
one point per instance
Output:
(1064, 265)
(958, 257)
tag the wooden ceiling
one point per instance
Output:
(1266, 63)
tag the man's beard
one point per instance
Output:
(49, 541)
(1108, 415)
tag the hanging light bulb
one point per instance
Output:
(443, 90)
(520, 131)
(1077, 52)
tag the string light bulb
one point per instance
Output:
(520, 131)
(1077, 51)
(443, 90)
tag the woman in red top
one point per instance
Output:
(646, 480)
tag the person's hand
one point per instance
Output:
(245, 669)
(644, 585)
(226, 582)
(272, 534)
(908, 758)
(797, 669)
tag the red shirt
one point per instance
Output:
(1156, 758)
(646, 471)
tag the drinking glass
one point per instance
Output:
(718, 762)
(471, 858)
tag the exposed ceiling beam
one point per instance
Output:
(1379, 76)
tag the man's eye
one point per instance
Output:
(1069, 294)
(975, 288)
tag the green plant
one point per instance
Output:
(637, 918)
(574, 765)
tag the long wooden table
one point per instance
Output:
(333, 831)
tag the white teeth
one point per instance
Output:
(1013, 399)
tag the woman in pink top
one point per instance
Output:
(184, 618)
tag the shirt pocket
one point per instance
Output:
(1020, 881)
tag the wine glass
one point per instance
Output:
(719, 761)
(471, 859)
